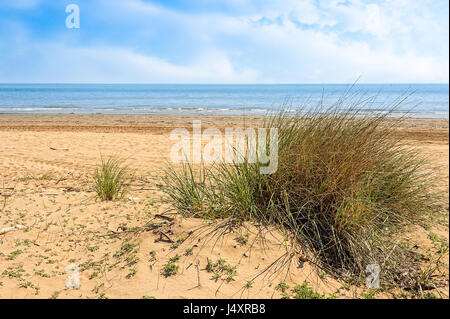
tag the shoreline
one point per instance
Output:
(436, 130)
(152, 118)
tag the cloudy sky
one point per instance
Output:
(234, 41)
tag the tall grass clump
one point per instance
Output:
(111, 179)
(345, 188)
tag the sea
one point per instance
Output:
(414, 100)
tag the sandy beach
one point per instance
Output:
(46, 167)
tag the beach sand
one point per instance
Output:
(46, 166)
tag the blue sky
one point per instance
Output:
(234, 41)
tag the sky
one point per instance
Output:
(234, 41)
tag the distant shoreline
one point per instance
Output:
(415, 128)
(412, 115)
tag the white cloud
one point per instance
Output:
(388, 41)
(59, 63)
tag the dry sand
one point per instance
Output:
(46, 165)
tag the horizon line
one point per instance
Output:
(287, 83)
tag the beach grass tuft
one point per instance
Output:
(111, 179)
(345, 188)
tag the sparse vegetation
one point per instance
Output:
(242, 239)
(221, 269)
(125, 248)
(14, 254)
(283, 286)
(170, 269)
(174, 258)
(304, 291)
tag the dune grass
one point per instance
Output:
(344, 190)
(111, 179)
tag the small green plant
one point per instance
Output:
(430, 295)
(132, 272)
(152, 255)
(370, 294)
(230, 276)
(111, 179)
(283, 286)
(304, 291)
(132, 259)
(249, 284)
(11, 272)
(97, 288)
(55, 294)
(41, 273)
(209, 266)
(179, 241)
(174, 258)
(221, 268)
(170, 269)
(47, 176)
(242, 239)
(14, 254)
(188, 251)
(26, 284)
(285, 295)
(126, 248)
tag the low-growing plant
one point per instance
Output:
(304, 291)
(111, 179)
(369, 294)
(174, 258)
(14, 254)
(176, 244)
(221, 268)
(152, 255)
(133, 271)
(170, 269)
(283, 286)
(125, 248)
(242, 239)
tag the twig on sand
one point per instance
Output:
(163, 234)
(198, 273)
(145, 228)
(59, 149)
(8, 229)
(164, 217)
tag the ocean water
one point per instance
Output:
(421, 100)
